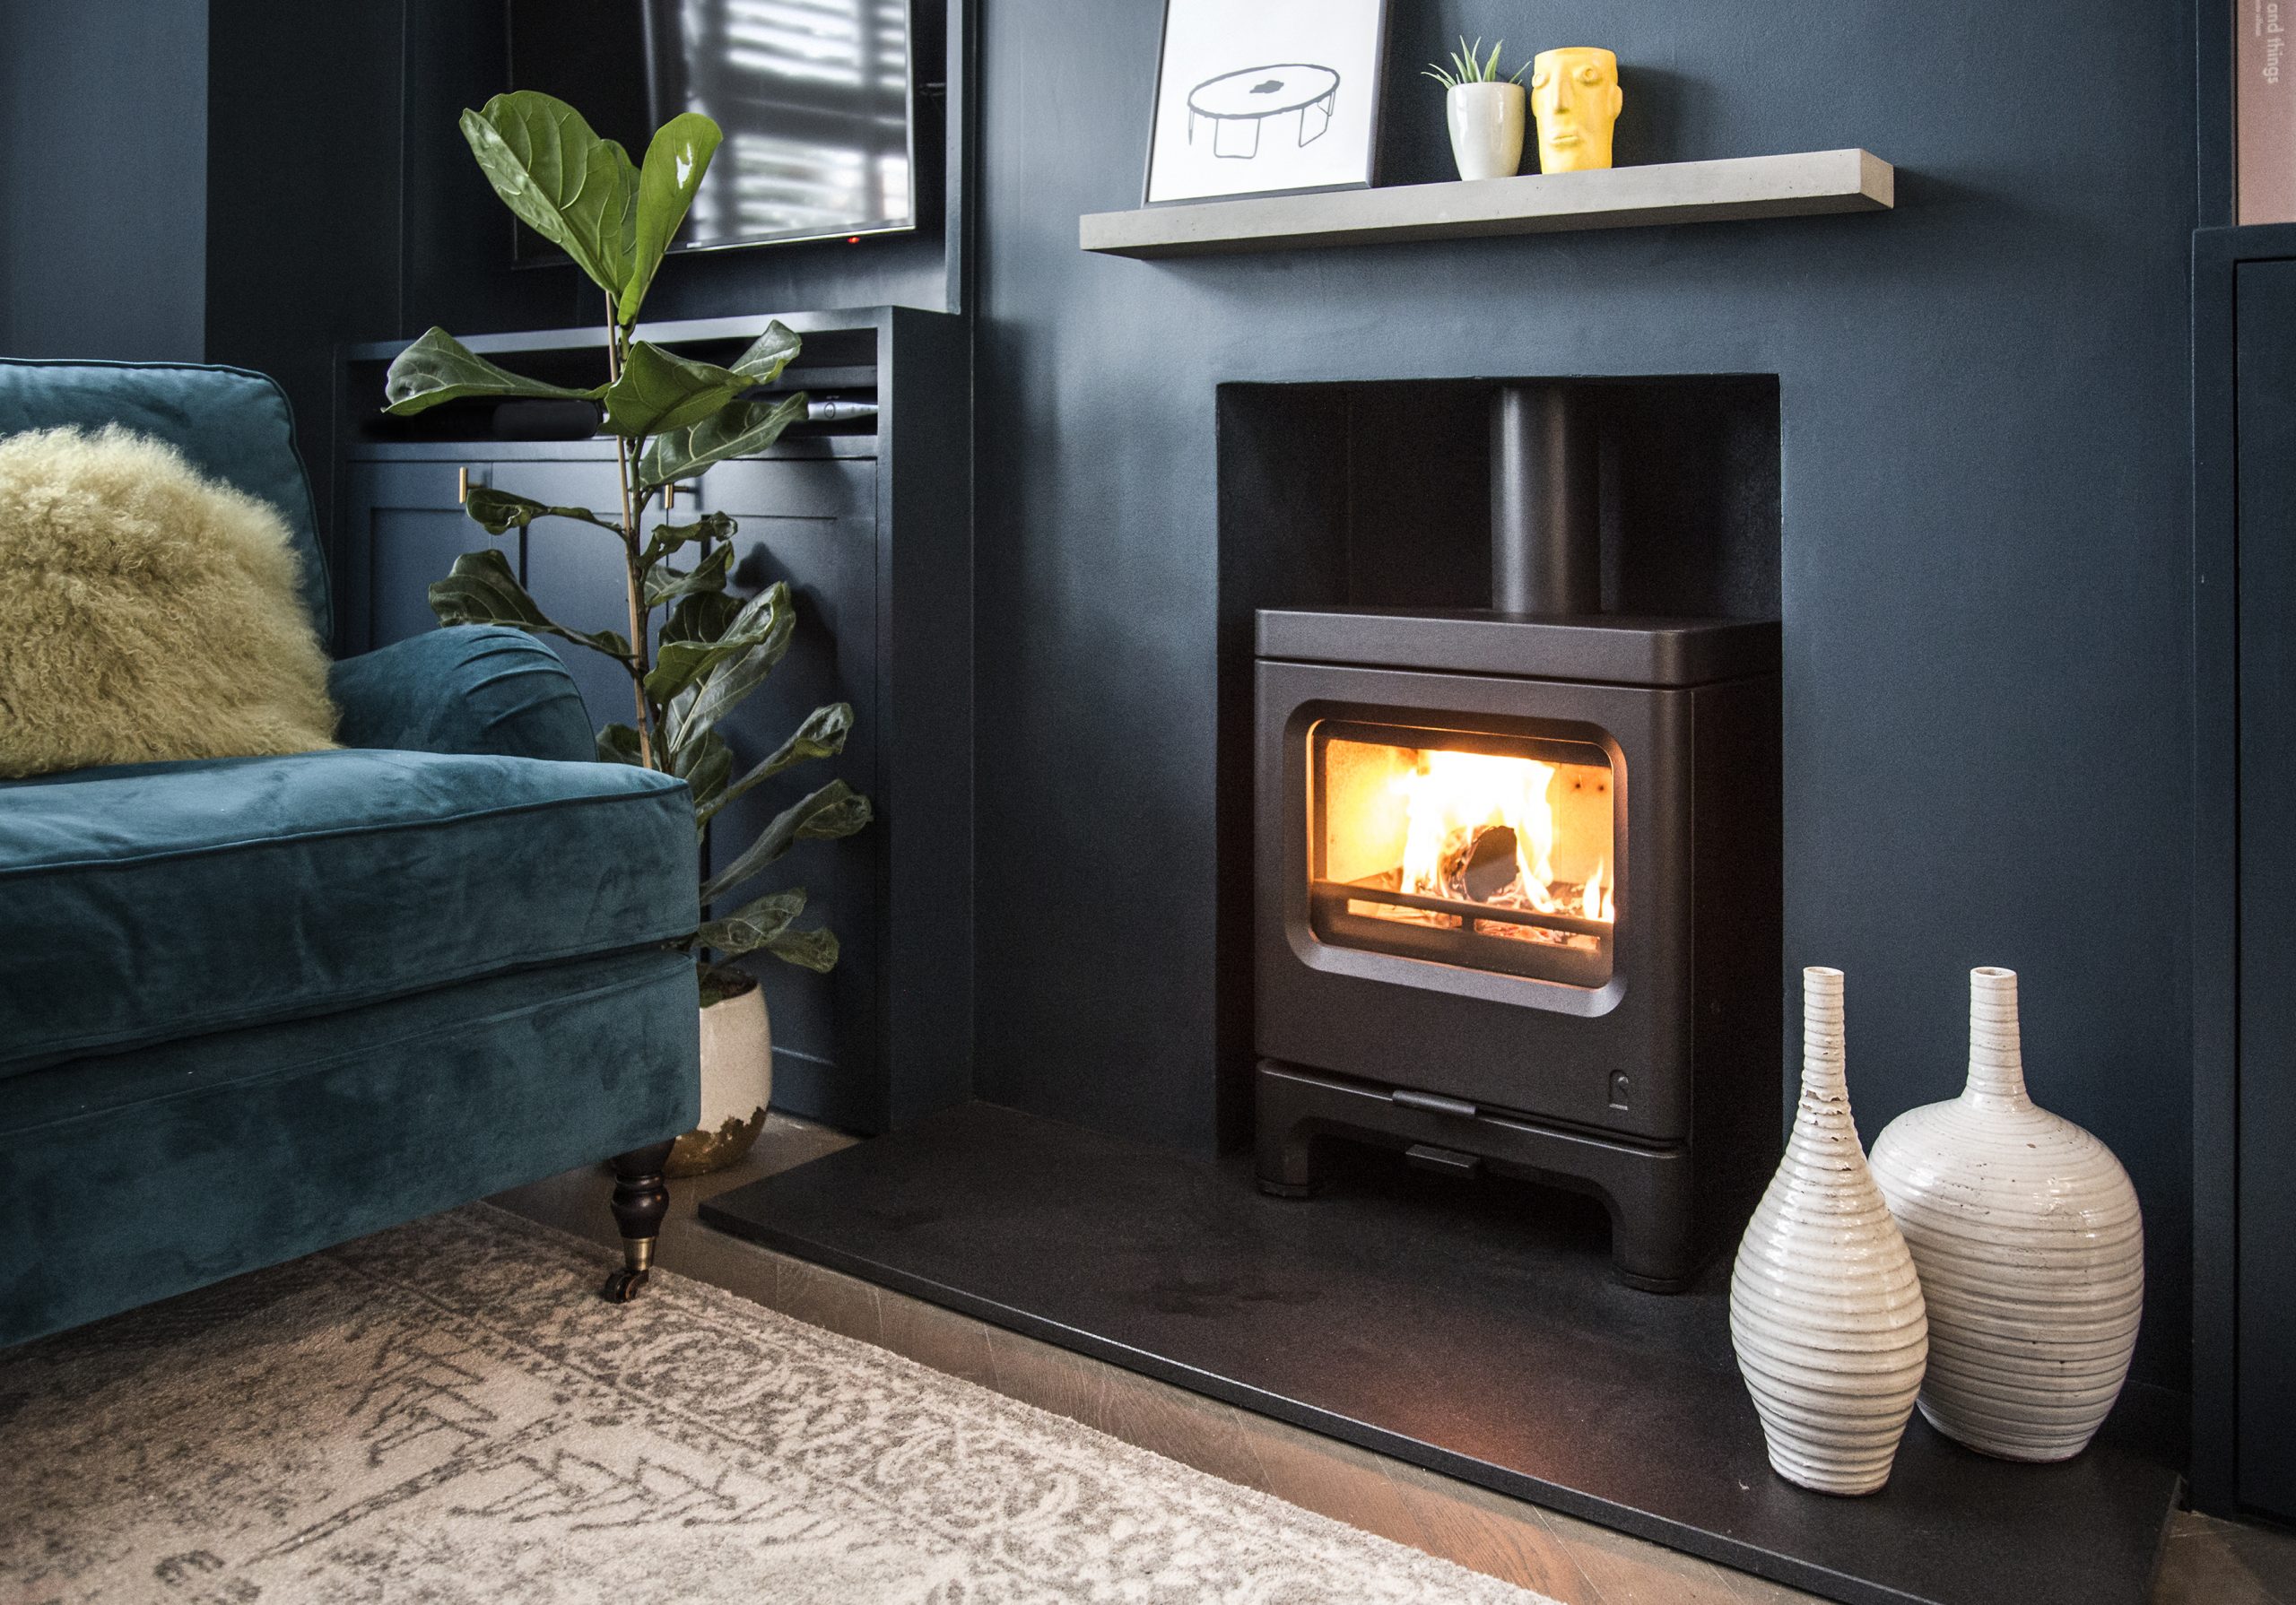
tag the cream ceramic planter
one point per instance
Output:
(736, 1085)
(1825, 1309)
(1486, 128)
(2031, 1246)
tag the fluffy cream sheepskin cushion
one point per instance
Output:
(146, 612)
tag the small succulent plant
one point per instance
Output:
(1468, 64)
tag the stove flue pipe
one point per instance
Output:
(1546, 553)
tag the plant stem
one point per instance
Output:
(633, 579)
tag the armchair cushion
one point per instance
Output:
(154, 902)
(471, 689)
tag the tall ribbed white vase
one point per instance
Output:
(2031, 1246)
(1825, 1309)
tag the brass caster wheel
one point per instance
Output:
(623, 1285)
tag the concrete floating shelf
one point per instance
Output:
(1805, 184)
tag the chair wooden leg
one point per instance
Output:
(641, 1198)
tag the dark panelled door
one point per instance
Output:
(814, 524)
(2267, 395)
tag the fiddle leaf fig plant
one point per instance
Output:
(693, 647)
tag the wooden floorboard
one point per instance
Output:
(2205, 1562)
(1490, 1533)
(1180, 1425)
(1334, 1479)
(932, 1336)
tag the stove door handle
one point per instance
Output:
(1432, 1103)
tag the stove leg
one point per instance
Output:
(1651, 1249)
(1286, 1142)
(1287, 1158)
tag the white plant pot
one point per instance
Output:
(1825, 1308)
(1486, 128)
(736, 1085)
(2031, 1246)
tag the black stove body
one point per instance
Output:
(1518, 882)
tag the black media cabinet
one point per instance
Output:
(869, 519)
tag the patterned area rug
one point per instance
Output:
(445, 1413)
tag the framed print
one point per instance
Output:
(1266, 97)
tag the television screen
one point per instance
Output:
(814, 96)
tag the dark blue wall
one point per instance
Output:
(1985, 523)
(103, 182)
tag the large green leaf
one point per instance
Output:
(742, 430)
(674, 163)
(660, 392)
(481, 589)
(764, 623)
(685, 761)
(821, 735)
(665, 586)
(575, 190)
(668, 538)
(725, 685)
(618, 743)
(439, 368)
(768, 923)
(768, 354)
(706, 775)
(753, 925)
(704, 616)
(815, 950)
(703, 764)
(836, 810)
(499, 512)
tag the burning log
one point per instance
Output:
(1487, 867)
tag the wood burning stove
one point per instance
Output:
(1517, 884)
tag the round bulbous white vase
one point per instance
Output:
(1486, 128)
(1825, 1308)
(2031, 1246)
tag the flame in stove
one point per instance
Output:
(1451, 798)
(1455, 792)
(1597, 903)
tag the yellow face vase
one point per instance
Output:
(1576, 98)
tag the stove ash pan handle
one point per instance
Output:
(1433, 1103)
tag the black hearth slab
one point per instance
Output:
(1470, 1328)
(1611, 648)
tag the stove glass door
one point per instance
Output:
(1494, 852)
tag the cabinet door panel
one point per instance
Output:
(2267, 398)
(404, 528)
(812, 524)
(575, 573)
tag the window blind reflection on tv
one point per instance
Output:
(815, 97)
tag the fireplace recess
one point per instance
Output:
(1518, 877)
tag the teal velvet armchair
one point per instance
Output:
(251, 1007)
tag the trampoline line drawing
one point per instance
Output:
(1239, 105)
